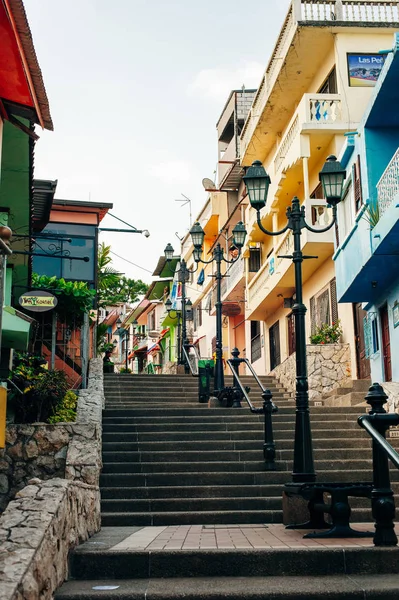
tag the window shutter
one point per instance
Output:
(312, 315)
(357, 184)
(367, 336)
(334, 304)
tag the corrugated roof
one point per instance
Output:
(18, 18)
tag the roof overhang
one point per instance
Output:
(21, 81)
(43, 196)
(15, 329)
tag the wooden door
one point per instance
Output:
(291, 334)
(274, 345)
(362, 363)
(386, 343)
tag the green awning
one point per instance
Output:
(15, 329)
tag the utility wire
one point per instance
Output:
(130, 262)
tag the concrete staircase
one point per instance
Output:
(352, 394)
(171, 461)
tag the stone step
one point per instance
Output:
(211, 491)
(215, 504)
(94, 564)
(227, 517)
(204, 491)
(226, 443)
(126, 433)
(230, 466)
(225, 478)
(334, 587)
(204, 455)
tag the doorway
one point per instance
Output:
(386, 343)
(274, 345)
(362, 362)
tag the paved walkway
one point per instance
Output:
(205, 537)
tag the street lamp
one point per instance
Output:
(183, 274)
(198, 236)
(122, 331)
(257, 181)
(181, 360)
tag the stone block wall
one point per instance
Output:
(329, 367)
(60, 506)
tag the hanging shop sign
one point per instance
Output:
(364, 69)
(38, 301)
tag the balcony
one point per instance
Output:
(303, 44)
(233, 283)
(367, 259)
(275, 280)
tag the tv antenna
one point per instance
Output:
(186, 201)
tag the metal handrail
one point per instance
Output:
(377, 422)
(269, 447)
(379, 439)
(242, 388)
(193, 366)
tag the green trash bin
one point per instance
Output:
(205, 373)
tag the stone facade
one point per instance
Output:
(36, 532)
(47, 518)
(391, 388)
(329, 367)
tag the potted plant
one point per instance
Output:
(327, 334)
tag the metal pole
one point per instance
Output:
(183, 275)
(219, 375)
(2, 283)
(303, 453)
(85, 330)
(53, 338)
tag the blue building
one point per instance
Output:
(367, 253)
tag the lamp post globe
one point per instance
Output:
(169, 251)
(332, 177)
(168, 305)
(197, 235)
(257, 182)
(239, 234)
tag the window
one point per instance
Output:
(254, 258)
(330, 84)
(324, 307)
(357, 184)
(371, 340)
(199, 314)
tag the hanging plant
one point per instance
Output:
(75, 298)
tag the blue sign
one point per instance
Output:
(364, 69)
(271, 266)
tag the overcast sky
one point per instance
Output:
(135, 89)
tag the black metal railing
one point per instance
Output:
(239, 392)
(377, 422)
(192, 359)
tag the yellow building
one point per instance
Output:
(315, 89)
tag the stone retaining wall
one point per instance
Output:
(329, 367)
(47, 518)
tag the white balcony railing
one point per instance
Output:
(388, 185)
(233, 276)
(366, 11)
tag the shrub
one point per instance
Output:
(66, 409)
(327, 334)
(124, 370)
(40, 390)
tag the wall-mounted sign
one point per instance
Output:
(38, 301)
(271, 266)
(364, 69)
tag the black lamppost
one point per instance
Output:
(183, 275)
(198, 235)
(257, 181)
(181, 360)
(125, 333)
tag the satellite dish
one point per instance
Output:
(208, 184)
